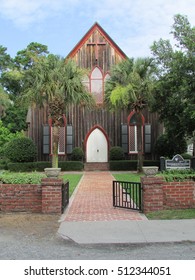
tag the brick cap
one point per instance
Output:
(147, 180)
(51, 181)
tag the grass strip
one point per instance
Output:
(172, 214)
(73, 181)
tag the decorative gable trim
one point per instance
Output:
(97, 27)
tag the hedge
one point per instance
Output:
(40, 165)
(116, 165)
(71, 165)
(130, 165)
(21, 167)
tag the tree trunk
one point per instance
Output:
(55, 140)
(139, 142)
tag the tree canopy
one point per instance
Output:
(131, 86)
(5, 59)
(175, 92)
(56, 83)
(11, 79)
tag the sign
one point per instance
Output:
(177, 162)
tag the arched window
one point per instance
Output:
(97, 84)
(133, 137)
(86, 83)
(106, 78)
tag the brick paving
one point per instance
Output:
(93, 201)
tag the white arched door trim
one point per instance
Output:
(96, 146)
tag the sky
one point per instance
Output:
(60, 24)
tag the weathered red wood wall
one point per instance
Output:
(83, 120)
(96, 48)
(103, 55)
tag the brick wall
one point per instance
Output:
(152, 195)
(19, 198)
(179, 195)
(45, 198)
(159, 195)
(51, 195)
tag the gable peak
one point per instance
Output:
(94, 27)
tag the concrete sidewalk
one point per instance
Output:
(91, 219)
(128, 231)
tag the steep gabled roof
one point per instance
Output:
(95, 27)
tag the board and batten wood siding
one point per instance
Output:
(85, 56)
(83, 121)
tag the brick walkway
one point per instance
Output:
(93, 201)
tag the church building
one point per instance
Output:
(95, 131)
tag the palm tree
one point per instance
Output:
(131, 86)
(57, 83)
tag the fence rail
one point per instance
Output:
(65, 194)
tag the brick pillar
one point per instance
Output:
(152, 193)
(51, 195)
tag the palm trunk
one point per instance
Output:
(139, 142)
(55, 139)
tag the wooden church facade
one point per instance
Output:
(98, 130)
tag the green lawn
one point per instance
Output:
(73, 181)
(172, 214)
(129, 177)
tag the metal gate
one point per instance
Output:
(127, 195)
(65, 195)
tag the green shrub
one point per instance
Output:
(3, 163)
(41, 165)
(117, 153)
(21, 178)
(71, 165)
(151, 163)
(21, 166)
(3, 166)
(178, 175)
(77, 154)
(5, 136)
(123, 165)
(21, 150)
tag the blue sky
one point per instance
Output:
(60, 24)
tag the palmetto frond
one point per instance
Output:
(58, 83)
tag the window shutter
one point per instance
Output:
(124, 137)
(46, 139)
(147, 138)
(69, 139)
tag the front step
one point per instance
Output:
(96, 166)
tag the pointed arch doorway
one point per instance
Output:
(96, 145)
